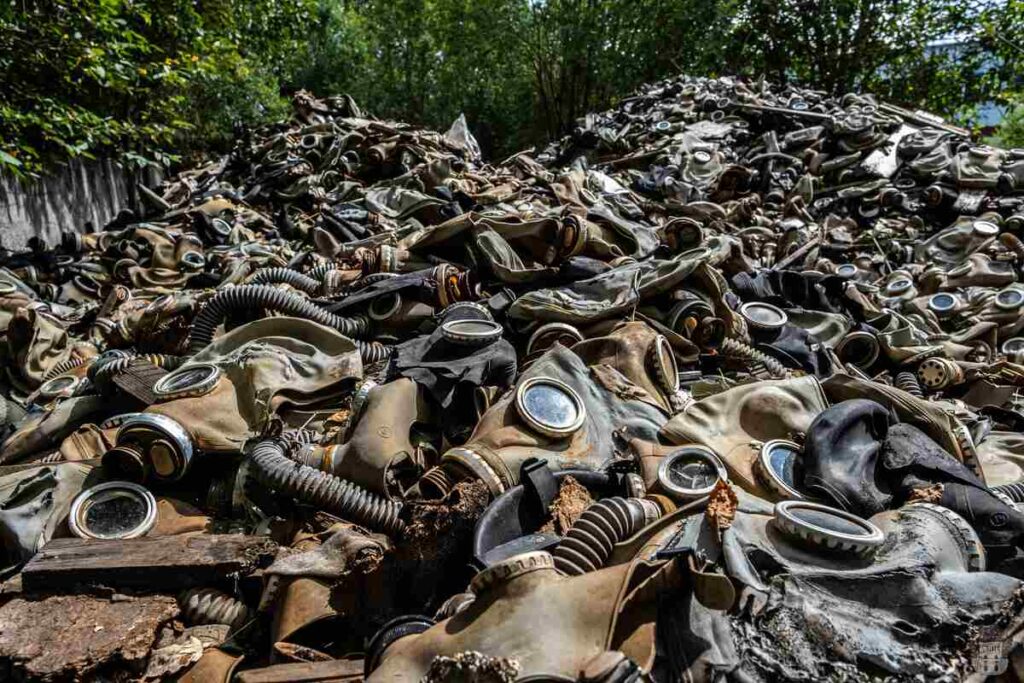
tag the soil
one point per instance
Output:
(573, 498)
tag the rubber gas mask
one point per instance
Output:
(559, 410)
(228, 392)
(894, 590)
(735, 424)
(387, 443)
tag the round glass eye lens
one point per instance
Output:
(784, 462)
(898, 286)
(763, 315)
(1014, 345)
(220, 226)
(942, 302)
(186, 379)
(693, 474)
(1010, 298)
(114, 516)
(550, 406)
(56, 386)
(472, 327)
(986, 228)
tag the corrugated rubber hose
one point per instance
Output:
(272, 468)
(1015, 491)
(907, 381)
(64, 366)
(733, 348)
(270, 298)
(102, 371)
(211, 606)
(588, 544)
(282, 275)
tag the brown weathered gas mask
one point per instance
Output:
(559, 410)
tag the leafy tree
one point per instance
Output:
(152, 80)
(85, 77)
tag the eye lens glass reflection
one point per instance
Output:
(1010, 298)
(472, 327)
(187, 379)
(784, 463)
(695, 474)
(763, 315)
(114, 516)
(550, 406)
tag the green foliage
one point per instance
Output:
(155, 80)
(1011, 130)
(82, 77)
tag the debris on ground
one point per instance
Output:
(725, 384)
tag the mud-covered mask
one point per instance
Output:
(893, 592)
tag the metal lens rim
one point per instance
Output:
(1013, 305)
(666, 368)
(64, 385)
(1012, 345)
(165, 386)
(377, 308)
(535, 423)
(693, 452)
(451, 331)
(167, 427)
(872, 535)
(860, 335)
(935, 303)
(80, 506)
(745, 311)
(898, 286)
(559, 330)
(986, 228)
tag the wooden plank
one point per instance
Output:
(160, 564)
(306, 672)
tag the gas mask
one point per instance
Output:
(771, 332)
(956, 243)
(896, 590)
(641, 355)
(736, 423)
(37, 342)
(33, 503)
(901, 340)
(857, 459)
(457, 363)
(979, 270)
(552, 627)
(228, 392)
(611, 294)
(559, 410)
(378, 452)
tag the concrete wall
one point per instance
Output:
(81, 192)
